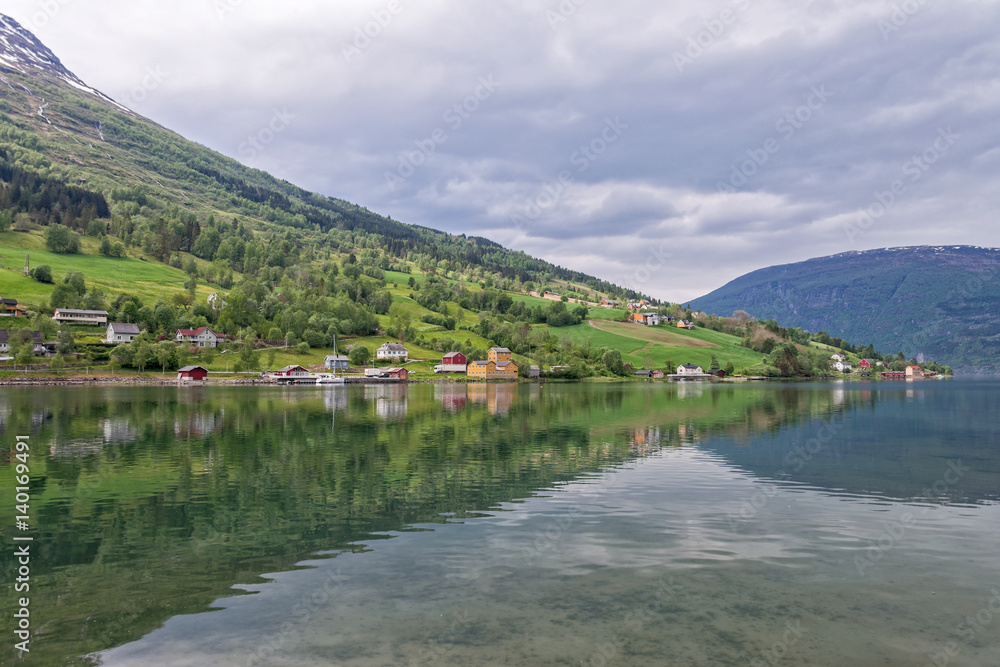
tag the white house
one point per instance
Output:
(391, 351)
(838, 357)
(73, 316)
(689, 369)
(842, 366)
(38, 346)
(119, 332)
(201, 337)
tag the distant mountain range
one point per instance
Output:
(933, 302)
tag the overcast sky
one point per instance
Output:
(666, 146)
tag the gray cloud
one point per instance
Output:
(703, 89)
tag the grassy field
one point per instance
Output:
(149, 280)
(651, 347)
(664, 336)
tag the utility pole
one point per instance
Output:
(25, 262)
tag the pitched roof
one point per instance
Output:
(36, 336)
(394, 347)
(690, 367)
(500, 350)
(125, 328)
(335, 357)
(188, 369)
(290, 368)
(196, 332)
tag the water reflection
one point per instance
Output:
(154, 502)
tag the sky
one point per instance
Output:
(669, 147)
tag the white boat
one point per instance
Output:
(329, 378)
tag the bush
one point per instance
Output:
(302, 348)
(42, 273)
(359, 355)
(60, 239)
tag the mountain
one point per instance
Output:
(61, 139)
(927, 301)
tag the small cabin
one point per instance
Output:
(192, 374)
(398, 373)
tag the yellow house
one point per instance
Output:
(499, 365)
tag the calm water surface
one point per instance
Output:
(646, 524)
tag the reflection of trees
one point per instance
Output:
(213, 486)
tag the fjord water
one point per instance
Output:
(582, 524)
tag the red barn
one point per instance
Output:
(454, 358)
(192, 374)
(865, 365)
(399, 373)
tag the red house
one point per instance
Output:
(291, 372)
(192, 374)
(864, 365)
(454, 358)
(398, 373)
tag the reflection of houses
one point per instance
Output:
(119, 430)
(498, 398)
(499, 365)
(389, 399)
(690, 389)
(74, 449)
(335, 398)
(196, 425)
(452, 396)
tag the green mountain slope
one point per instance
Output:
(59, 133)
(930, 302)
